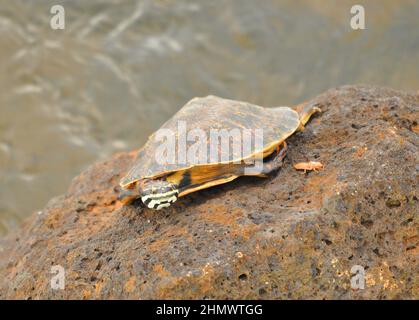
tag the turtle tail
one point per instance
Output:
(305, 111)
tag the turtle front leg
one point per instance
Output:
(127, 196)
(269, 165)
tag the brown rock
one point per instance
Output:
(293, 235)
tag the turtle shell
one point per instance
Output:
(207, 114)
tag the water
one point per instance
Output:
(122, 68)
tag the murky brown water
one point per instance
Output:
(121, 68)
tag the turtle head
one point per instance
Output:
(158, 194)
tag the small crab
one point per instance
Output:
(308, 166)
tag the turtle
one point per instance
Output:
(160, 183)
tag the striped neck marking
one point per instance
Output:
(160, 200)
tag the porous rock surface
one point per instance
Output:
(290, 236)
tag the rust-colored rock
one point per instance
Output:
(293, 235)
